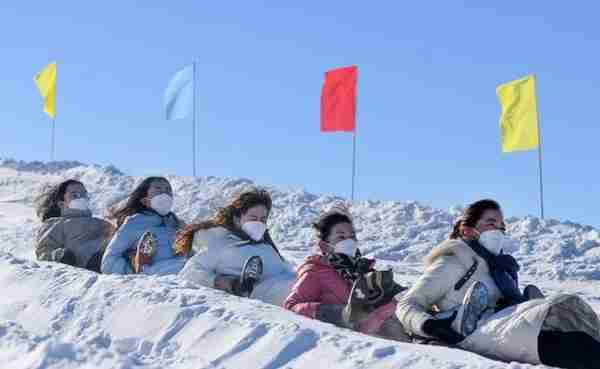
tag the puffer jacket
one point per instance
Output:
(510, 334)
(319, 283)
(220, 252)
(165, 261)
(76, 231)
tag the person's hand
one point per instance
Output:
(441, 329)
(228, 283)
(64, 256)
(223, 283)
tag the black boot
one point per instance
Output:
(251, 273)
(571, 350)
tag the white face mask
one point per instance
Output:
(79, 204)
(495, 241)
(347, 247)
(254, 229)
(162, 204)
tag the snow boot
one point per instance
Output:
(532, 292)
(251, 273)
(379, 287)
(474, 304)
(359, 304)
(144, 252)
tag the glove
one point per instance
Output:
(441, 329)
(94, 263)
(228, 283)
(335, 314)
(64, 256)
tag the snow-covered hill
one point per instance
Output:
(54, 316)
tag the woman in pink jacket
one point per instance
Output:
(338, 286)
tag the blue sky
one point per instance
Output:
(427, 109)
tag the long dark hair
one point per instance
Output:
(472, 215)
(225, 217)
(324, 225)
(134, 201)
(48, 201)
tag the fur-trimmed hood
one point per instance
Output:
(454, 247)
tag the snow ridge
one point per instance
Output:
(55, 316)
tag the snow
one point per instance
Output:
(55, 316)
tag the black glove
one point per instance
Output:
(95, 262)
(68, 258)
(334, 314)
(441, 329)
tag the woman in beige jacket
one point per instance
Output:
(69, 234)
(560, 330)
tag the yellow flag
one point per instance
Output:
(519, 119)
(45, 81)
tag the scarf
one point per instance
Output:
(504, 271)
(350, 269)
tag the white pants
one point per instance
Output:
(274, 290)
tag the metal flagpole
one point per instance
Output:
(353, 162)
(354, 144)
(194, 123)
(52, 140)
(540, 164)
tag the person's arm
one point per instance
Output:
(50, 242)
(201, 268)
(114, 260)
(437, 280)
(305, 296)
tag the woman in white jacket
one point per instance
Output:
(561, 330)
(235, 253)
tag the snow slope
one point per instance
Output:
(54, 316)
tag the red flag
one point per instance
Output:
(338, 100)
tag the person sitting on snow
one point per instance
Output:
(235, 252)
(336, 285)
(496, 319)
(69, 234)
(146, 229)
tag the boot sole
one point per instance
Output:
(246, 268)
(475, 305)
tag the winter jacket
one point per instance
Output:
(77, 231)
(319, 283)
(510, 334)
(220, 252)
(115, 260)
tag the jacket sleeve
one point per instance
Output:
(114, 260)
(305, 297)
(108, 229)
(50, 238)
(202, 267)
(438, 279)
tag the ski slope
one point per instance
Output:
(55, 316)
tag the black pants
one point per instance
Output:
(571, 350)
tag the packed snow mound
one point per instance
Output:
(398, 234)
(47, 168)
(56, 316)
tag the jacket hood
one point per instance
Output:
(452, 247)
